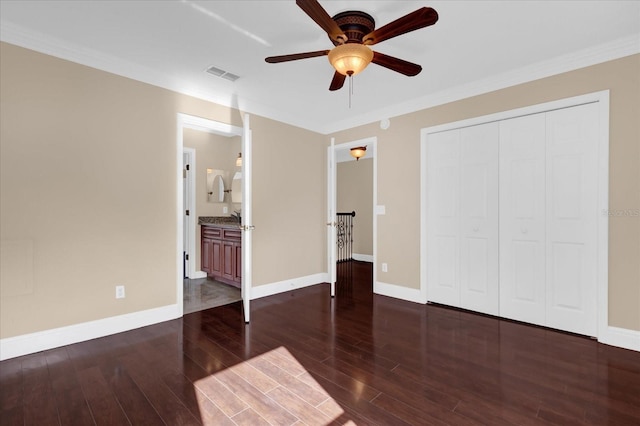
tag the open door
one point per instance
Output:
(331, 216)
(247, 218)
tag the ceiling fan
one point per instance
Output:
(351, 33)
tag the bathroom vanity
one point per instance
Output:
(221, 249)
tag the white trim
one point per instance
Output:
(362, 257)
(616, 49)
(602, 98)
(199, 274)
(398, 292)
(602, 292)
(21, 36)
(620, 337)
(288, 285)
(25, 344)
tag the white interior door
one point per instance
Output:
(443, 219)
(331, 216)
(572, 214)
(522, 219)
(479, 287)
(186, 235)
(247, 218)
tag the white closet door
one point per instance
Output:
(443, 220)
(522, 219)
(571, 269)
(479, 289)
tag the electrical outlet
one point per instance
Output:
(385, 268)
(225, 210)
(119, 292)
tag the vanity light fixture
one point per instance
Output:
(358, 152)
(239, 160)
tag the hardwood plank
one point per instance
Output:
(358, 359)
(258, 401)
(39, 401)
(305, 412)
(196, 401)
(104, 406)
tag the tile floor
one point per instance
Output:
(205, 293)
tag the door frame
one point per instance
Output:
(605, 333)
(332, 152)
(186, 121)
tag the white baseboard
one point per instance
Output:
(287, 285)
(198, 274)
(25, 344)
(621, 337)
(399, 292)
(363, 257)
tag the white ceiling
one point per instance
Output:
(476, 46)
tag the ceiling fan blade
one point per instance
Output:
(322, 18)
(395, 64)
(420, 18)
(338, 81)
(295, 56)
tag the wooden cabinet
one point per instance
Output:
(222, 253)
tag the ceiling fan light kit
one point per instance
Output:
(351, 58)
(352, 32)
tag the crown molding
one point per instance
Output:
(20, 36)
(579, 59)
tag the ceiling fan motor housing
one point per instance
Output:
(355, 25)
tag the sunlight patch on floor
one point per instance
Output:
(272, 388)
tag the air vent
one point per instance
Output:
(222, 74)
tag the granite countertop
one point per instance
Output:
(226, 221)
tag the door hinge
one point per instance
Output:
(187, 167)
(186, 212)
(186, 257)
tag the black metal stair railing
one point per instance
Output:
(344, 237)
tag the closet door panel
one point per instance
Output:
(443, 218)
(479, 287)
(522, 219)
(571, 179)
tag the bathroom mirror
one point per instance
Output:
(236, 188)
(215, 186)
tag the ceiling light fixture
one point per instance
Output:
(358, 152)
(350, 58)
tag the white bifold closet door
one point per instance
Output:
(548, 218)
(462, 218)
(522, 219)
(572, 214)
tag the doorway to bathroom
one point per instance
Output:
(209, 148)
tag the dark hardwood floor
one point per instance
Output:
(309, 359)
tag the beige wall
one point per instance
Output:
(88, 168)
(212, 152)
(399, 244)
(354, 181)
(88, 193)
